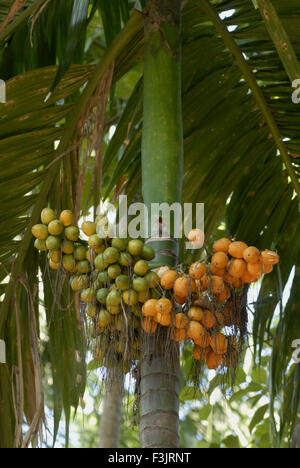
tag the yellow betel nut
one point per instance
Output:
(66, 218)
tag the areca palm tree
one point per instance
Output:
(241, 158)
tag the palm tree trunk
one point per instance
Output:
(162, 169)
(111, 418)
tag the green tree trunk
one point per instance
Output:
(111, 418)
(162, 169)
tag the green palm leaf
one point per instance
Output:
(37, 137)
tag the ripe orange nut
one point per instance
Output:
(163, 306)
(251, 255)
(224, 295)
(178, 334)
(168, 279)
(213, 360)
(195, 330)
(219, 343)
(196, 237)
(203, 341)
(247, 278)
(255, 269)
(206, 351)
(222, 245)
(184, 286)
(149, 308)
(200, 353)
(237, 267)
(195, 313)
(266, 269)
(236, 282)
(179, 300)
(269, 257)
(181, 320)
(217, 271)
(219, 260)
(148, 325)
(156, 317)
(163, 319)
(197, 270)
(203, 283)
(217, 285)
(237, 249)
(208, 320)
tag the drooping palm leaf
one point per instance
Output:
(76, 39)
(37, 138)
(27, 163)
(15, 12)
(28, 47)
(29, 129)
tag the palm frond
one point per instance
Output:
(15, 12)
(37, 140)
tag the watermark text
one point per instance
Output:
(296, 93)
(2, 92)
(159, 221)
(296, 353)
(2, 352)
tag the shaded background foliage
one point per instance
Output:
(232, 164)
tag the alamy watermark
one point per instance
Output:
(296, 353)
(296, 93)
(2, 92)
(159, 221)
(2, 352)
